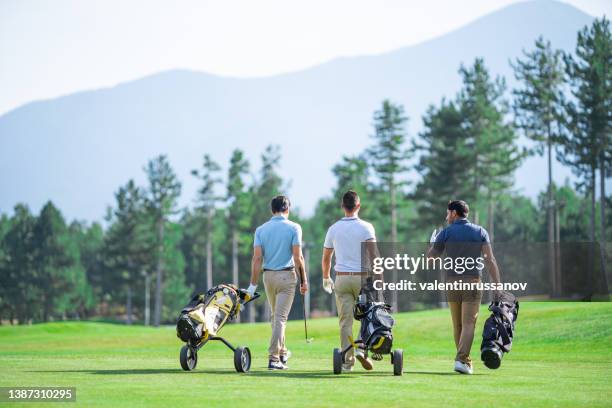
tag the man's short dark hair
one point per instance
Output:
(460, 206)
(350, 199)
(280, 204)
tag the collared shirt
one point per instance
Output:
(276, 239)
(462, 239)
(345, 238)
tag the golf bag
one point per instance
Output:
(376, 322)
(499, 330)
(206, 314)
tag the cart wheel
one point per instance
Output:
(242, 359)
(189, 358)
(337, 361)
(398, 361)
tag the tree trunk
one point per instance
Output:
(559, 273)
(235, 262)
(128, 306)
(395, 278)
(602, 221)
(592, 236)
(209, 263)
(147, 308)
(550, 205)
(159, 272)
(491, 217)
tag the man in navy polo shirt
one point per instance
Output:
(462, 240)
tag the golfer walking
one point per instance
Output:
(344, 238)
(278, 249)
(462, 239)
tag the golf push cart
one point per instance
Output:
(201, 320)
(375, 334)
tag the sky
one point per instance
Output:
(53, 48)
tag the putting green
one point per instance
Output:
(562, 356)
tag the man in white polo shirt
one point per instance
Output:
(345, 238)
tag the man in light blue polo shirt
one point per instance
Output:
(277, 248)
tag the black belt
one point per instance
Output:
(291, 268)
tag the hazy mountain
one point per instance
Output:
(78, 149)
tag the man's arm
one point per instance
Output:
(326, 262)
(371, 253)
(298, 260)
(491, 263)
(437, 246)
(256, 265)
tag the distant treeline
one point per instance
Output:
(153, 255)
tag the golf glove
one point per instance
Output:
(251, 289)
(433, 237)
(328, 285)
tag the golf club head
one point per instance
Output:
(310, 340)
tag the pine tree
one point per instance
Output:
(164, 190)
(588, 147)
(19, 287)
(445, 163)
(389, 160)
(495, 153)
(207, 200)
(538, 109)
(128, 243)
(58, 271)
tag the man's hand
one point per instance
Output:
(304, 287)
(328, 285)
(251, 290)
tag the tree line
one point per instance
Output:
(153, 255)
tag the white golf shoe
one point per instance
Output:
(463, 368)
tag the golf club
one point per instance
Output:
(308, 340)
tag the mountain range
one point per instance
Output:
(78, 149)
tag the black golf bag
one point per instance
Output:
(206, 314)
(499, 330)
(376, 322)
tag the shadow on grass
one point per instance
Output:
(145, 371)
(287, 374)
(436, 373)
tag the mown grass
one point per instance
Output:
(562, 356)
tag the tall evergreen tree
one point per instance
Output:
(128, 243)
(238, 214)
(163, 192)
(538, 108)
(389, 160)
(5, 285)
(588, 147)
(207, 200)
(495, 153)
(56, 262)
(445, 163)
(18, 286)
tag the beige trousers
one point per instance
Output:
(280, 291)
(347, 292)
(464, 306)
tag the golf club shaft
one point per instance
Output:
(304, 311)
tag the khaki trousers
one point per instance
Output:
(347, 292)
(280, 291)
(464, 306)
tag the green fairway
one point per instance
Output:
(562, 356)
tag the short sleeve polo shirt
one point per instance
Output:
(345, 238)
